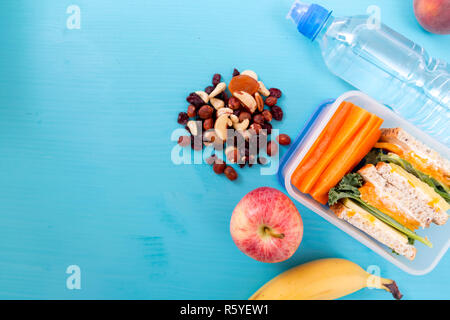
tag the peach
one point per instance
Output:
(433, 15)
(266, 225)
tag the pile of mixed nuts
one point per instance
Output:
(237, 120)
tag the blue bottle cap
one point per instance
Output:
(309, 18)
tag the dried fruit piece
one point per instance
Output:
(183, 118)
(191, 111)
(271, 101)
(243, 83)
(284, 139)
(277, 113)
(268, 127)
(230, 173)
(216, 79)
(267, 115)
(258, 118)
(209, 89)
(274, 92)
(236, 72)
(195, 99)
(234, 103)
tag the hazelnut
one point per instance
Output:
(244, 115)
(234, 103)
(231, 173)
(205, 112)
(191, 111)
(219, 167)
(267, 115)
(284, 139)
(184, 141)
(258, 118)
(208, 124)
(271, 101)
(232, 154)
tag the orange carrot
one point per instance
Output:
(348, 158)
(353, 122)
(321, 143)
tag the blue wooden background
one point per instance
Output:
(85, 123)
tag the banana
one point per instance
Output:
(325, 279)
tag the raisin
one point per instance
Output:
(236, 72)
(274, 92)
(195, 99)
(216, 79)
(267, 126)
(277, 113)
(183, 118)
(209, 89)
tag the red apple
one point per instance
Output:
(433, 15)
(266, 225)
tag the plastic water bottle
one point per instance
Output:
(382, 63)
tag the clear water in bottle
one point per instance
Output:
(382, 63)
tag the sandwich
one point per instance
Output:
(400, 187)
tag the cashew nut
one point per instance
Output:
(263, 90)
(218, 90)
(234, 118)
(223, 111)
(221, 126)
(203, 95)
(217, 103)
(246, 99)
(250, 73)
(241, 126)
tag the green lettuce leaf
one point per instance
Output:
(348, 188)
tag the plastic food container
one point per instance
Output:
(426, 258)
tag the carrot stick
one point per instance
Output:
(321, 143)
(348, 158)
(354, 121)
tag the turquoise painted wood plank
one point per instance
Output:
(86, 176)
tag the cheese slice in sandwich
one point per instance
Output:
(422, 199)
(380, 231)
(378, 192)
(422, 157)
